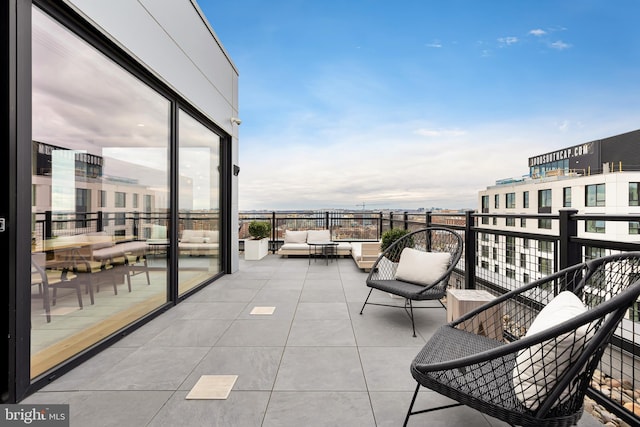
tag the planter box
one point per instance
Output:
(256, 249)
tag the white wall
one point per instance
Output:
(175, 42)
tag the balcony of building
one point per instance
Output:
(314, 361)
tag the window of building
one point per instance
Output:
(544, 223)
(594, 226)
(494, 221)
(496, 201)
(485, 237)
(120, 199)
(511, 200)
(525, 243)
(525, 278)
(566, 197)
(485, 208)
(510, 250)
(135, 200)
(523, 260)
(633, 227)
(510, 222)
(148, 203)
(496, 269)
(83, 102)
(545, 266)
(484, 264)
(485, 251)
(495, 253)
(594, 195)
(545, 246)
(544, 201)
(591, 252)
(523, 222)
(525, 199)
(633, 194)
(510, 273)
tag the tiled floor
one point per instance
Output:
(313, 362)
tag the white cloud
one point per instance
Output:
(435, 44)
(508, 41)
(560, 45)
(537, 32)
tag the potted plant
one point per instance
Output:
(257, 247)
(389, 237)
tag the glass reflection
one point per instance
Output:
(100, 196)
(199, 203)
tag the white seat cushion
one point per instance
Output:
(538, 367)
(422, 268)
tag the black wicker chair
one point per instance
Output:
(383, 275)
(539, 378)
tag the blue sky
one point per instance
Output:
(415, 104)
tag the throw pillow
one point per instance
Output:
(422, 268)
(538, 367)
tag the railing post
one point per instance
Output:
(469, 251)
(428, 219)
(569, 251)
(327, 226)
(274, 233)
(380, 222)
(99, 221)
(390, 220)
(405, 219)
(48, 224)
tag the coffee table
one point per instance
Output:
(322, 249)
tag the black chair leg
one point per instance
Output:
(410, 312)
(365, 301)
(413, 401)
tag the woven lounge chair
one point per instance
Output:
(416, 267)
(551, 341)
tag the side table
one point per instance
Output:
(462, 301)
(322, 249)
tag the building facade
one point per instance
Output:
(597, 177)
(120, 171)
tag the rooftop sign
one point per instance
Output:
(564, 154)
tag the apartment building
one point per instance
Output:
(596, 177)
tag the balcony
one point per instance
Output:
(314, 361)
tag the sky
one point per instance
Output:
(352, 104)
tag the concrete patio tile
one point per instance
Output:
(322, 310)
(191, 333)
(255, 333)
(383, 327)
(241, 409)
(193, 309)
(325, 332)
(319, 409)
(151, 368)
(387, 368)
(256, 367)
(79, 379)
(277, 295)
(107, 408)
(390, 409)
(320, 369)
(316, 294)
(215, 294)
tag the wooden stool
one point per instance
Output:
(462, 301)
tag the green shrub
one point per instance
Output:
(259, 229)
(390, 236)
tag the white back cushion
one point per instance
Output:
(291, 236)
(422, 268)
(318, 236)
(538, 367)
